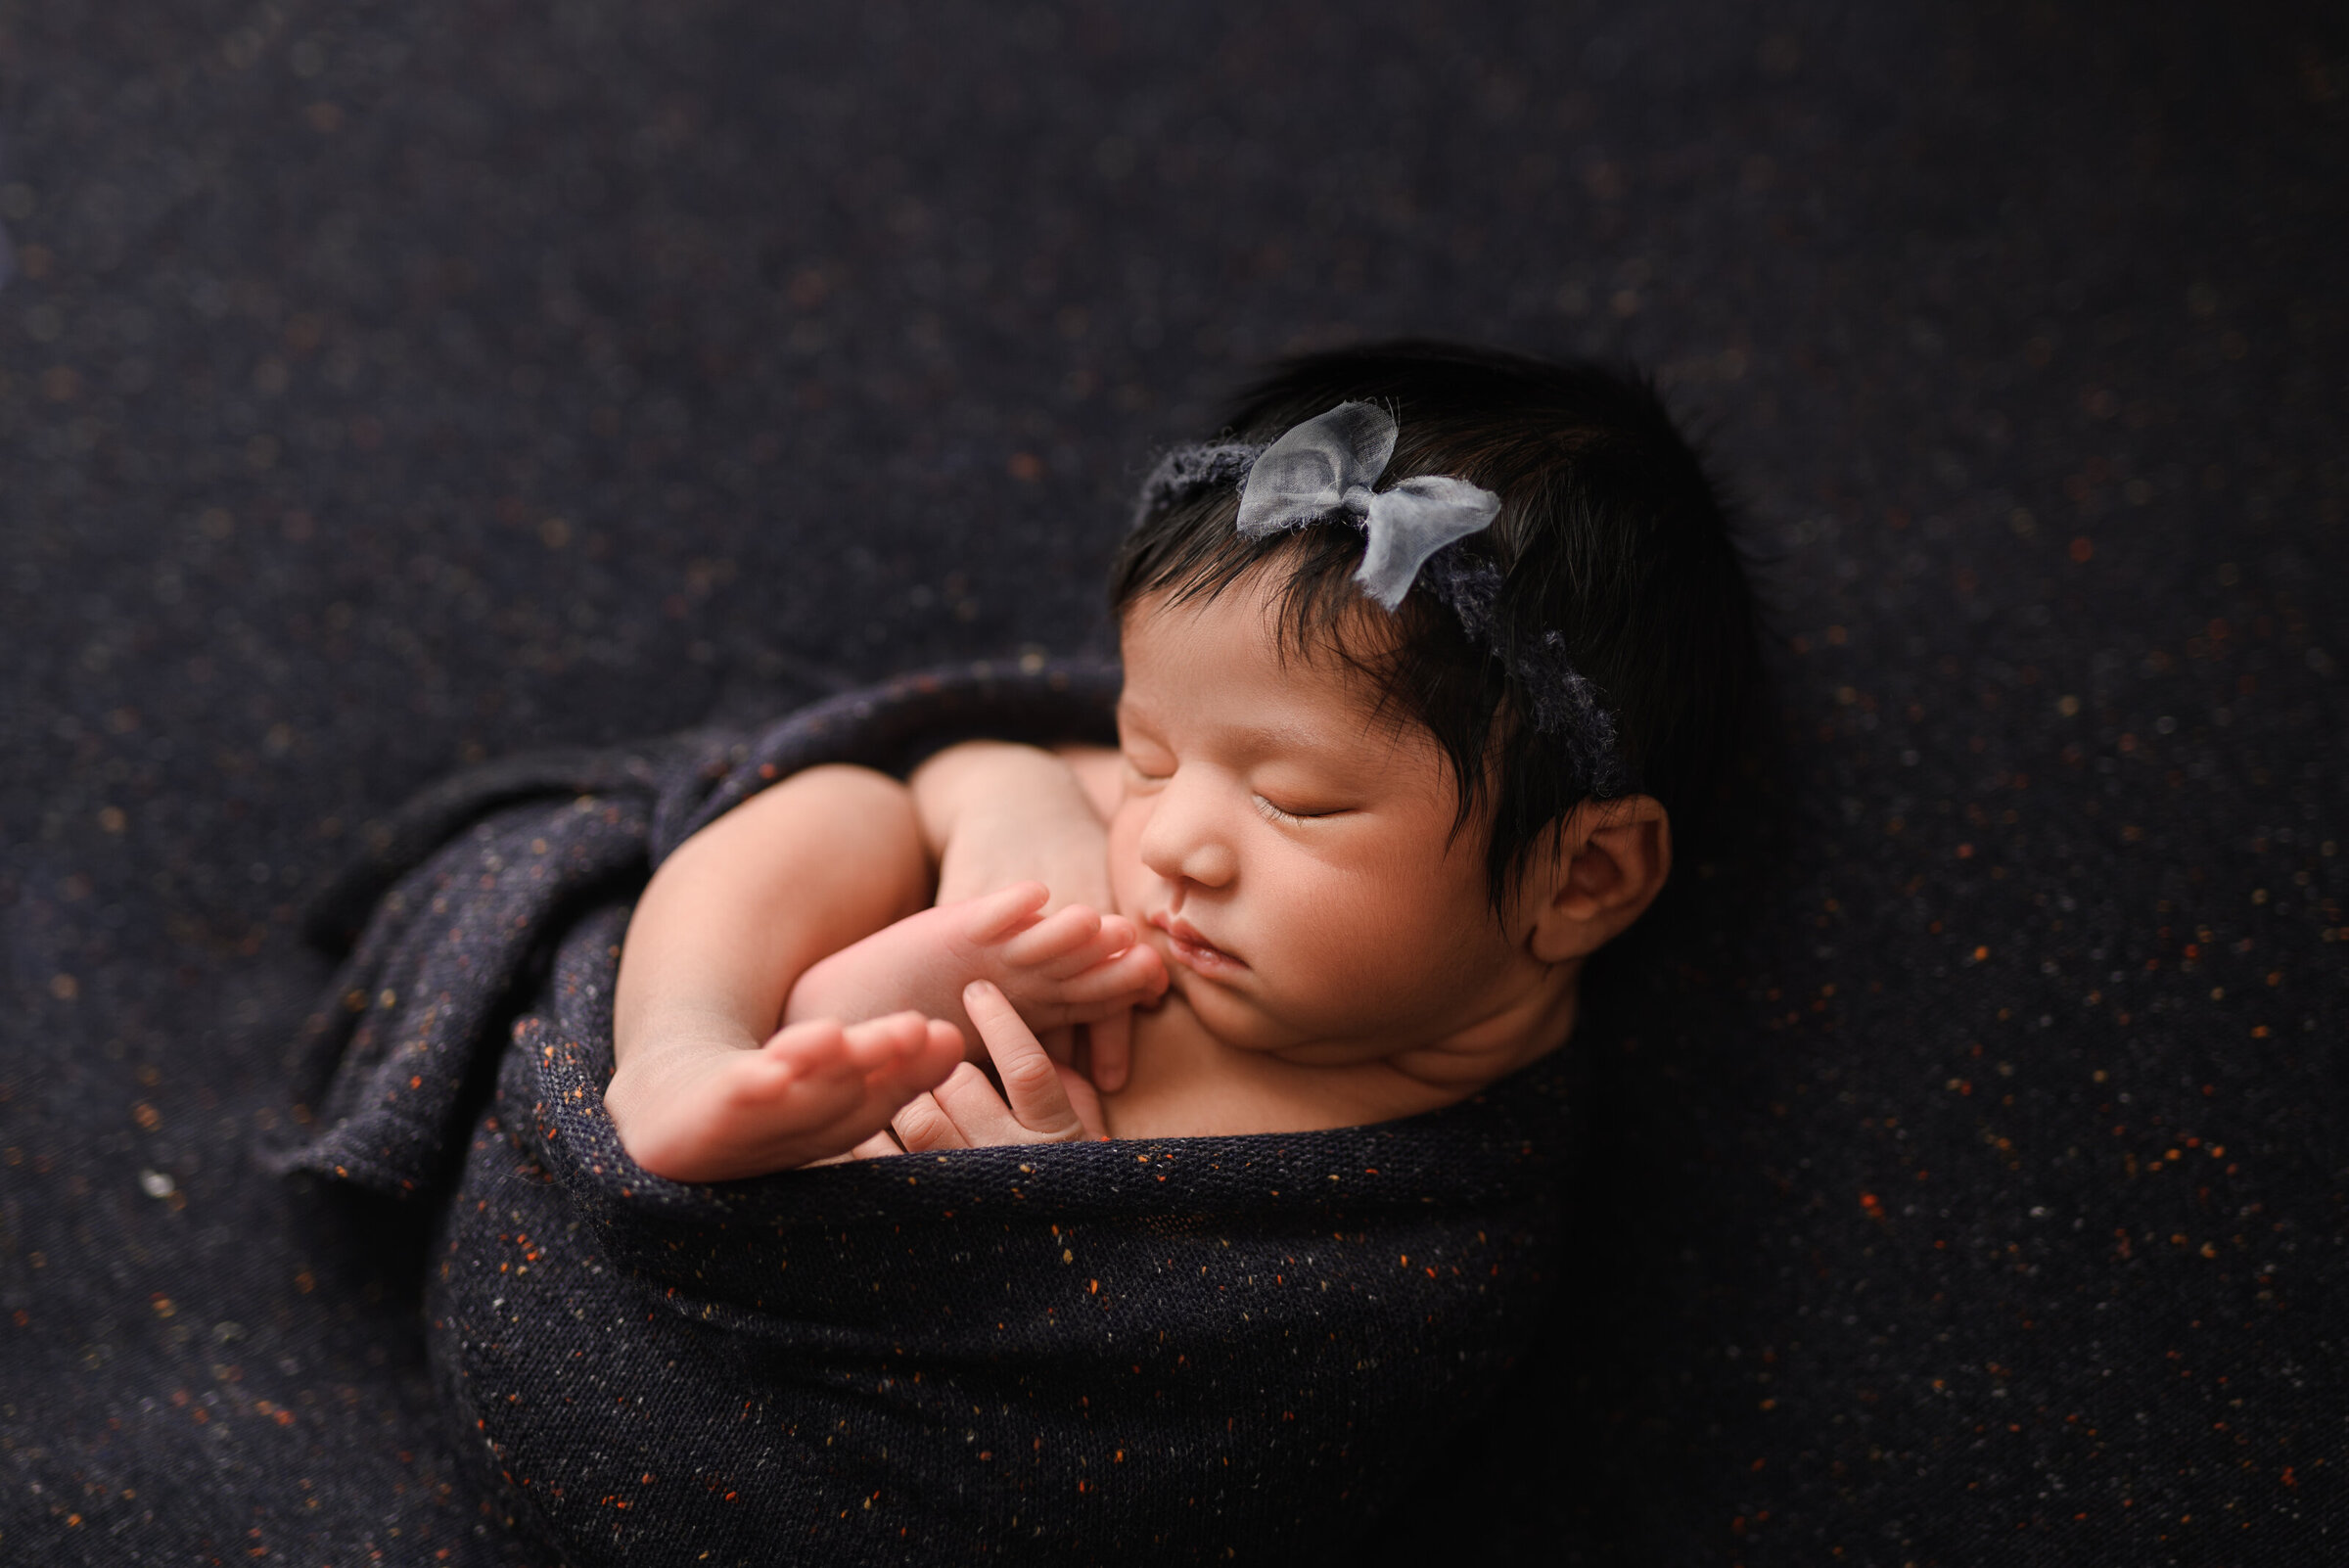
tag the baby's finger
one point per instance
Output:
(1068, 930)
(1083, 1100)
(1114, 936)
(806, 1040)
(1110, 1049)
(1006, 911)
(876, 1043)
(978, 1111)
(1137, 974)
(1031, 1081)
(877, 1147)
(922, 1123)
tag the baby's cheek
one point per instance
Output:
(1382, 952)
(1127, 878)
(1341, 950)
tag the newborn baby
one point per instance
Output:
(1422, 664)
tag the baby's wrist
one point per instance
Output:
(980, 775)
(1070, 859)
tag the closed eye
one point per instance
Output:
(1273, 813)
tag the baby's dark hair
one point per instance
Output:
(1610, 534)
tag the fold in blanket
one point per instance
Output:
(1198, 1347)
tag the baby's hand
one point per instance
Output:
(998, 814)
(1071, 858)
(1071, 967)
(815, 1089)
(1042, 1101)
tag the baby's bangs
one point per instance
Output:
(1318, 608)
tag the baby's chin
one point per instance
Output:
(1231, 1018)
(1241, 1022)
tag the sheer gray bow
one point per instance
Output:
(1325, 467)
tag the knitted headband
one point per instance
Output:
(1323, 471)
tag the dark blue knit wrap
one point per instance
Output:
(1190, 1349)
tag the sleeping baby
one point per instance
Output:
(1425, 659)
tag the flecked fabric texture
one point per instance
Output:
(386, 390)
(1196, 1349)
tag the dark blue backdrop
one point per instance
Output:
(387, 387)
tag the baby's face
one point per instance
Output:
(1289, 850)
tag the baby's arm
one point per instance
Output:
(706, 1088)
(809, 907)
(997, 813)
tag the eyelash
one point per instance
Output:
(1263, 807)
(1273, 813)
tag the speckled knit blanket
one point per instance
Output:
(1194, 1349)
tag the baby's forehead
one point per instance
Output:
(1189, 645)
(1333, 724)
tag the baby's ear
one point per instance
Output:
(1594, 872)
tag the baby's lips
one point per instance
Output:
(1185, 934)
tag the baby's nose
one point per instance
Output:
(1182, 843)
